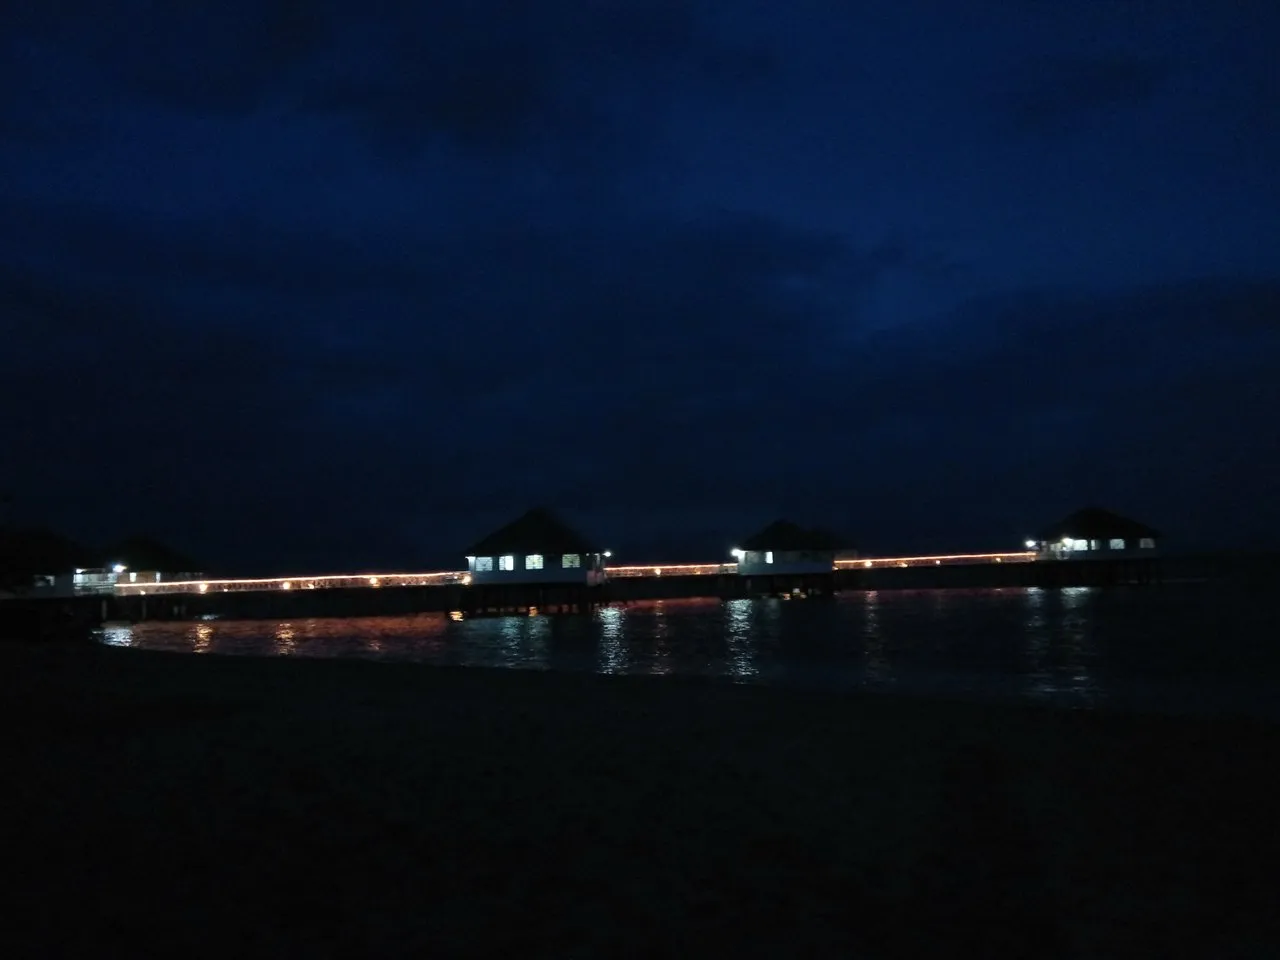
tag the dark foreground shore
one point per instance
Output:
(176, 804)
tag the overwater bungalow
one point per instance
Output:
(536, 548)
(783, 548)
(1096, 534)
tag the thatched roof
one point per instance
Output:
(538, 531)
(784, 536)
(1094, 523)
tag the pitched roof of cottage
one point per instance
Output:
(1094, 523)
(785, 536)
(538, 531)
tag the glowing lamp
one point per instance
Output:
(118, 568)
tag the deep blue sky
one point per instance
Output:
(304, 284)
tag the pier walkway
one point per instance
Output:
(441, 578)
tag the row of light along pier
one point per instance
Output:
(538, 562)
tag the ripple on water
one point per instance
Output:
(1196, 648)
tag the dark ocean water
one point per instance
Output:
(1175, 648)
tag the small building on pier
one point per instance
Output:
(785, 548)
(1096, 534)
(536, 548)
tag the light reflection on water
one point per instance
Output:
(613, 658)
(660, 638)
(742, 649)
(286, 639)
(876, 669)
(1060, 647)
(1076, 646)
(202, 639)
(117, 636)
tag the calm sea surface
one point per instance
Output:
(1180, 648)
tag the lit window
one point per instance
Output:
(1080, 545)
(768, 556)
(571, 561)
(1147, 543)
(484, 564)
(533, 561)
(1117, 544)
(506, 563)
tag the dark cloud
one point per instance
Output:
(226, 253)
(1058, 396)
(174, 53)
(128, 410)
(501, 75)
(646, 365)
(1053, 92)
(655, 263)
(490, 74)
(631, 332)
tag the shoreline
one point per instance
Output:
(307, 803)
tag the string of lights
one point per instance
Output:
(345, 581)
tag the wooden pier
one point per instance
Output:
(470, 600)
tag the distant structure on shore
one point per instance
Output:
(1095, 534)
(536, 548)
(53, 566)
(784, 548)
(86, 580)
(31, 555)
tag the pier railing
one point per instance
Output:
(673, 570)
(462, 578)
(328, 582)
(942, 559)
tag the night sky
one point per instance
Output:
(301, 285)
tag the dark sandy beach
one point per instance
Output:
(180, 804)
